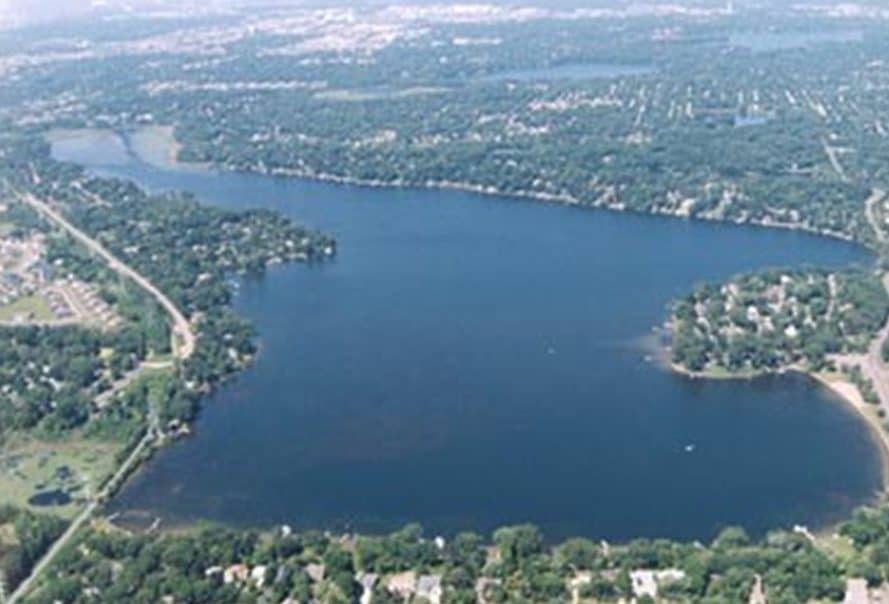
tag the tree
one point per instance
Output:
(731, 537)
(516, 544)
(578, 554)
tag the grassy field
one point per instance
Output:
(76, 465)
(7, 536)
(160, 359)
(837, 546)
(36, 306)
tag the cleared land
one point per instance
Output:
(31, 308)
(78, 466)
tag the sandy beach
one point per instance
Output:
(845, 390)
(848, 392)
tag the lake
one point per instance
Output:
(469, 362)
(769, 41)
(571, 71)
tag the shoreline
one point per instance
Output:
(841, 387)
(849, 393)
(171, 148)
(844, 389)
(537, 196)
(166, 157)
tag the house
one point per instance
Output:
(481, 587)
(648, 582)
(429, 587)
(236, 573)
(213, 571)
(257, 575)
(804, 531)
(580, 579)
(856, 592)
(404, 585)
(577, 582)
(367, 581)
(644, 583)
(315, 572)
(752, 314)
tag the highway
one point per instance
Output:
(184, 341)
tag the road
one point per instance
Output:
(183, 336)
(872, 365)
(871, 362)
(876, 197)
(125, 468)
(831, 152)
(104, 398)
(183, 346)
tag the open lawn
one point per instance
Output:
(7, 536)
(837, 546)
(34, 307)
(76, 466)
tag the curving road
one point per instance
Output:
(872, 364)
(870, 205)
(183, 346)
(183, 336)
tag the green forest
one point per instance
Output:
(514, 564)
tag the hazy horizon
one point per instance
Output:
(19, 13)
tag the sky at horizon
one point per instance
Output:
(15, 13)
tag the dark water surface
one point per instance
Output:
(469, 362)
(55, 497)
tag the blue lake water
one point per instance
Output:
(470, 362)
